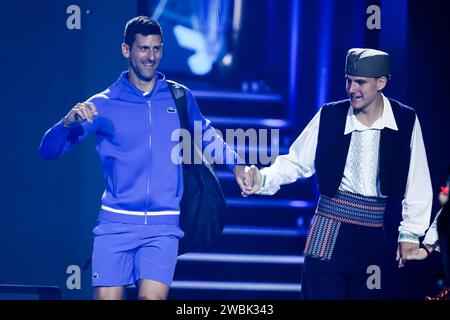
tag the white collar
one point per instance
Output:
(386, 120)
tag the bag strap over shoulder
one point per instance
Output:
(179, 96)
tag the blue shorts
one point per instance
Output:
(125, 253)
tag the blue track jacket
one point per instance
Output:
(134, 142)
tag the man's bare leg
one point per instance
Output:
(108, 293)
(152, 290)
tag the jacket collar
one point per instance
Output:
(123, 87)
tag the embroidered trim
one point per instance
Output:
(354, 209)
(406, 236)
(344, 207)
(322, 237)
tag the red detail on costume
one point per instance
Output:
(440, 296)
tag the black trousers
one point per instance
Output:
(355, 270)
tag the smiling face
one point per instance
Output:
(363, 91)
(144, 57)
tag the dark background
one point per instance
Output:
(50, 207)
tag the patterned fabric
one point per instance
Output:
(351, 208)
(344, 207)
(361, 171)
(322, 237)
(408, 237)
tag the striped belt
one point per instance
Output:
(352, 208)
(344, 207)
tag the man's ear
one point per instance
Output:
(381, 83)
(125, 50)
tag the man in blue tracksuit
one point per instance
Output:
(136, 239)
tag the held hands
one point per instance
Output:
(81, 112)
(409, 251)
(423, 253)
(248, 179)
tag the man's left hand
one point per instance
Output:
(405, 251)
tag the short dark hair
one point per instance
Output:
(143, 25)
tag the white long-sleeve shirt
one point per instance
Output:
(361, 168)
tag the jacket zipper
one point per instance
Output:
(150, 151)
(180, 178)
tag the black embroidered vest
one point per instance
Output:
(333, 145)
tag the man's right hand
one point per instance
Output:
(252, 181)
(81, 112)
